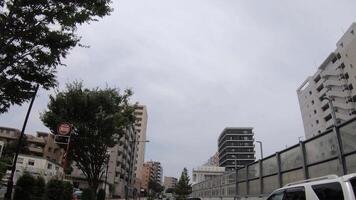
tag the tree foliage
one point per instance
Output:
(183, 187)
(58, 190)
(29, 188)
(35, 36)
(155, 187)
(99, 118)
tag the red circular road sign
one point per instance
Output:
(64, 128)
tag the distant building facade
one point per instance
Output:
(203, 173)
(152, 171)
(335, 78)
(236, 144)
(213, 161)
(125, 169)
(38, 167)
(140, 127)
(169, 182)
(41, 145)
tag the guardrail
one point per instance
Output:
(332, 152)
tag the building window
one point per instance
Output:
(49, 166)
(20, 160)
(314, 111)
(310, 93)
(312, 102)
(317, 121)
(31, 162)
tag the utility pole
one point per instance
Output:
(10, 182)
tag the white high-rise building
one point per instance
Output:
(335, 79)
(141, 138)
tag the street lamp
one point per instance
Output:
(331, 107)
(260, 148)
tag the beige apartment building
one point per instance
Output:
(141, 138)
(41, 145)
(126, 161)
(152, 171)
(169, 182)
(336, 79)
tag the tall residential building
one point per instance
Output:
(152, 171)
(140, 127)
(169, 182)
(236, 144)
(335, 79)
(121, 167)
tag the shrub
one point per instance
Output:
(39, 188)
(54, 190)
(101, 194)
(25, 187)
(67, 191)
(88, 194)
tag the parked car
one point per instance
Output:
(329, 187)
(77, 195)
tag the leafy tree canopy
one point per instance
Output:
(99, 118)
(35, 36)
(183, 187)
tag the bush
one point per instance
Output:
(101, 194)
(39, 188)
(54, 190)
(88, 194)
(25, 187)
(67, 191)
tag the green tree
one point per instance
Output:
(183, 187)
(170, 190)
(99, 117)
(25, 188)
(67, 190)
(35, 36)
(54, 190)
(88, 194)
(101, 194)
(39, 188)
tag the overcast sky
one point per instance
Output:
(203, 65)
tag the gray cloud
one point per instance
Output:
(202, 65)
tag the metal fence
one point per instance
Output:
(332, 152)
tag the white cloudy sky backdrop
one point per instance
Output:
(202, 65)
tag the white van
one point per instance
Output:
(329, 187)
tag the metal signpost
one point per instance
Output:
(63, 137)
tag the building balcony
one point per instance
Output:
(330, 72)
(337, 93)
(333, 82)
(234, 147)
(237, 140)
(342, 105)
(38, 150)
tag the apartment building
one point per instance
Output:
(141, 139)
(236, 144)
(169, 182)
(125, 166)
(336, 79)
(42, 144)
(152, 171)
(213, 160)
